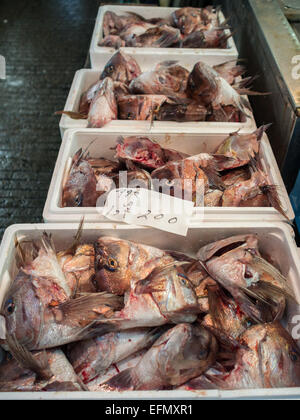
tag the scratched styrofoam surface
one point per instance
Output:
(101, 145)
(84, 78)
(208, 55)
(274, 238)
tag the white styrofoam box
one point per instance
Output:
(101, 145)
(274, 239)
(84, 78)
(208, 55)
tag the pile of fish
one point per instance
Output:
(119, 315)
(169, 92)
(232, 176)
(188, 27)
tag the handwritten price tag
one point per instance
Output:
(144, 207)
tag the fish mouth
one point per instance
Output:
(228, 248)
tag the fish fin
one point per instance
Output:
(253, 310)
(215, 295)
(249, 92)
(47, 243)
(216, 381)
(264, 266)
(152, 283)
(225, 339)
(77, 157)
(168, 63)
(267, 291)
(71, 250)
(224, 38)
(137, 16)
(166, 40)
(88, 308)
(271, 192)
(26, 252)
(73, 115)
(261, 130)
(244, 103)
(97, 329)
(180, 256)
(25, 358)
(121, 381)
(245, 82)
(214, 178)
(120, 140)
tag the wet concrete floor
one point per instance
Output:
(44, 42)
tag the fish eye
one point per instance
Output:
(78, 200)
(192, 83)
(110, 69)
(112, 264)
(183, 279)
(293, 356)
(9, 307)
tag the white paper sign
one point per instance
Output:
(144, 207)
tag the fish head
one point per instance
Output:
(172, 291)
(140, 107)
(203, 84)
(227, 260)
(113, 272)
(187, 19)
(277, 353)
(110, 23)
(21, 309)
(187, 351)
(240, 147)
(80, 187)
(121, 68)
(141, 150)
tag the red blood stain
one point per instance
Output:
(116, 367)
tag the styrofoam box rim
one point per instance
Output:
(289, 252)
(53, 213)
(85, 77)
(98, 53)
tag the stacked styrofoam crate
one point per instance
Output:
(275, 236)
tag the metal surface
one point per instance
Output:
(282, 42)
(265, 39)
